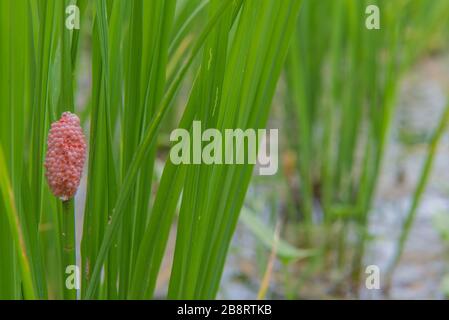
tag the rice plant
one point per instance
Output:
(229, 54)
(342, 83)
(93, 207)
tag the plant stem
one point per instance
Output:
(16, 228)
(422, 184)
(69, 253)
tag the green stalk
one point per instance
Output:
(68, 237)
(146, 144)
(420, 188)
(16, 229)
(380, 130)
(296, 83)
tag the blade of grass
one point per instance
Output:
(147, 142)
(244, 104)
(265, 234)
(9, 272)
(16, 230)
(417, 196)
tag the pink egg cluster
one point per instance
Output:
(65, 157)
